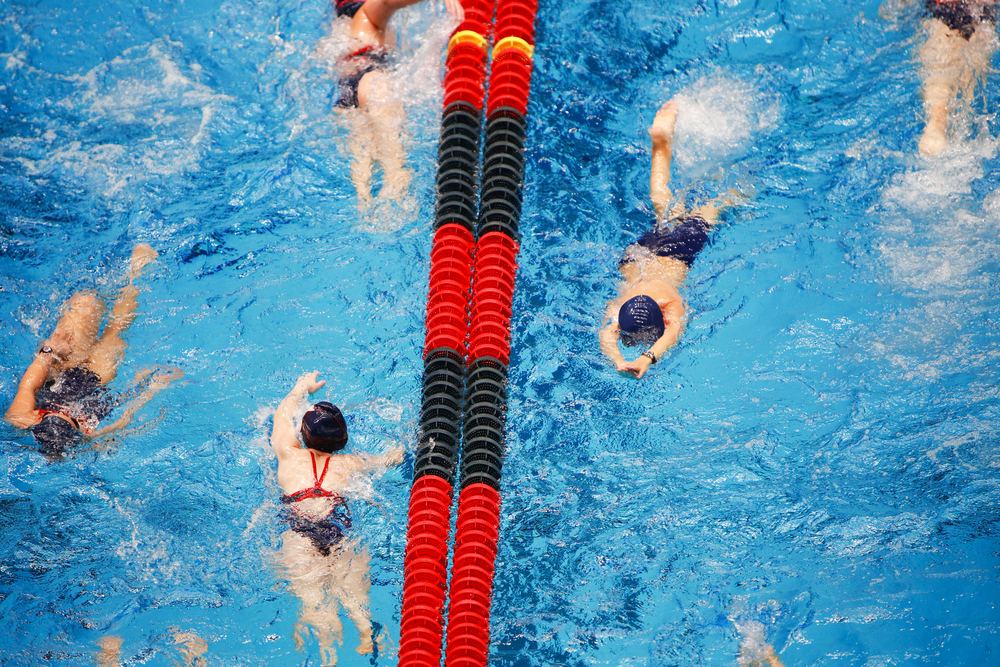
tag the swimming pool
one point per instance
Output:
(813, 466)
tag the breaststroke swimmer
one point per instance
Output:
(649, 309)
(324, 565)
(364, 86)
(961, 41)
(63, 396)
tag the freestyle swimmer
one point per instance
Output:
(323, 564)
(365, 87)
(649, 309)
(63, 395)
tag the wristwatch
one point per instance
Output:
(652, 356)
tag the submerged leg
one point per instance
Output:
(386, 117)
(307, 578)
(361, 145)
(662, 135)
(351, 571)
(109, 352)
(942, 66)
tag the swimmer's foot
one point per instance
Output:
(365, 645)
(141, 256)
(662, 130)
(934, 138)
(109, 651)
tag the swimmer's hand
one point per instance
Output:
(394, 456)
(309, 382)
(454, 8)
(637, 368)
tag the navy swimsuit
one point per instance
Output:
(963, 16)
(683, 241)
(324, 533)
(362, 61)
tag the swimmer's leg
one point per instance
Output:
(710, 211)
(109, 352)
(662, 135)
(76, 332)
(307, 580)
(386, 118)
(942, 66)
(355, 586)
(361, 146)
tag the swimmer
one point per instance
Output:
(323, 564)
(961, 41)
(63, 395)
(365, 86)
(649, 309)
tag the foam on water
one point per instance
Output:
(720, 117)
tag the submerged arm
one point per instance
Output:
(609, 338)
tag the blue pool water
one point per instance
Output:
(814, 466)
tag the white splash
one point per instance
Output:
(718, 118)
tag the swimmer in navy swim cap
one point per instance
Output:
(649, 310)
(325, 565)
(365, 88)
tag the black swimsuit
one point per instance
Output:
(324, 533)
(78, 392)
(362, 61)
(963, 16)
(683, 241)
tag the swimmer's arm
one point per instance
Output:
(155, 385)
(391, 458)
(378, 12)
(609, 338)
(283, 438)
(22, 412)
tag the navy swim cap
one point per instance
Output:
(55, 437)
(640, 320)
(324, 428)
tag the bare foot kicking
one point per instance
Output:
(365, 645)
(192, 648)
(109, 651)
(141, 256)
(662, 130)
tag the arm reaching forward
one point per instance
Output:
(283, 438)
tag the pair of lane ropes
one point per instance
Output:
(467, 343)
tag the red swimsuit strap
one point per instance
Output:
(319, 480)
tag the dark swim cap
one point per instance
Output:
(640, 320)
(324, 428)
(55, 437)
